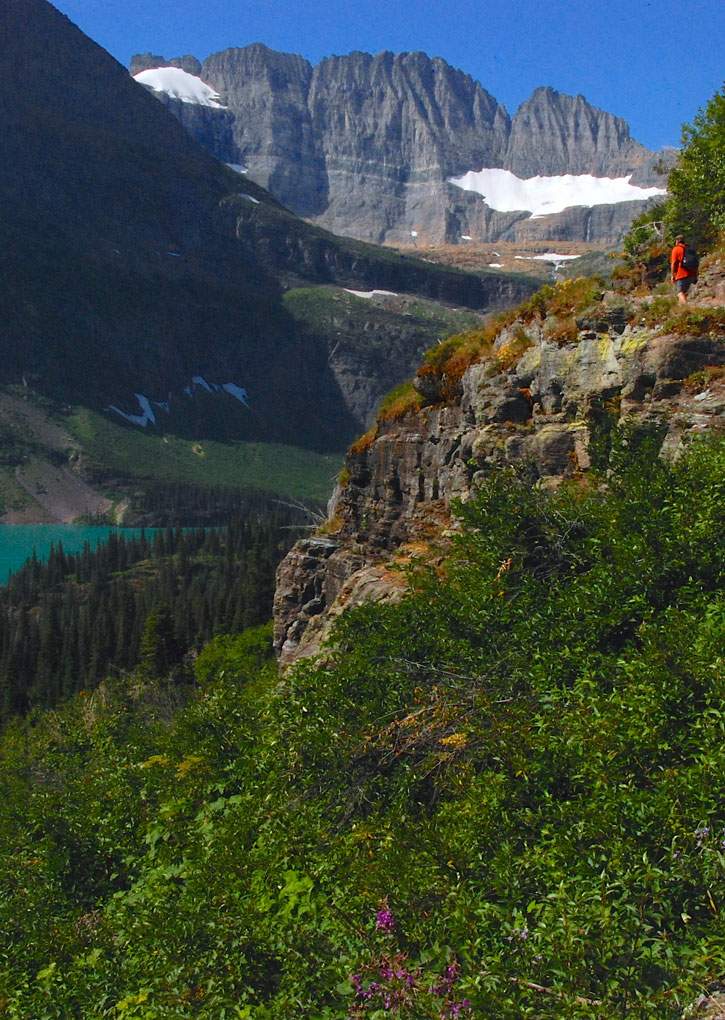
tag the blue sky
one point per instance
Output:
(653, 62)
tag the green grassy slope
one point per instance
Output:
(72, 461)
(286, 470)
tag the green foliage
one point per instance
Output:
(270, 467)
(572, 297)
(697, 322)
(144, 603)
(501, 797)
(696, 186)
(471, 344)
(404, 399)
(235, 656)
(697, 183)
(647, 230)
(159, 651)
(659, 308)
(444, 365)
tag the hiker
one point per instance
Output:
(683, 268)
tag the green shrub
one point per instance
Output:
(235, 656)
(697, 322)
(399, 402)
(697, 183)
(659, 308)
(502, 796)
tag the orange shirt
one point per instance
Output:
(678, 254)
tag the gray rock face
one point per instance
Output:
(145, 61)
(208, 125)
(267, 94)
(539, 414)
(392, 128)
(557, 134)
(364, 145)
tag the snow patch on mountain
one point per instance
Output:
(367, 294)
(180, 85)
(236, 391)
(544, 196)
(147, 415)
(551, 256)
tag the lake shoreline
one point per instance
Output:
(19, 541)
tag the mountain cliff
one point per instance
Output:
(539, 392)
(144, 278)
(368, 146)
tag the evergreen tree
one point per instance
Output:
(160, 651)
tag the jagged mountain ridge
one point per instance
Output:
(135, 262)
(365, 145)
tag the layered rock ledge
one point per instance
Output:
(538, 414)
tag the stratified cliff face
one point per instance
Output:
(557, 134)
(534, 402)
(392, 128)
(366, 145)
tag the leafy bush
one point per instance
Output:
(654, 311)
(697, 322)
(444, 365)
(518, 772)
(647, 231)
(507, 355)
(697, 183)
(365, 441)
(703, 378)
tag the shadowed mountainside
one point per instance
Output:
(138, 272)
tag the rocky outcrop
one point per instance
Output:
(365, 145)
(537, 410)
(211, 126)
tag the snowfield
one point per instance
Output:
(180, 85)
(543, 196)
(371, 293)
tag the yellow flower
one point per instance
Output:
(454, 740)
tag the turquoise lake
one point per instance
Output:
(17, 541)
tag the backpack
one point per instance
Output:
(690, 260)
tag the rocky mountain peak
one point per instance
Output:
(367, 145)
(552, 134)
(149, 61)
(256, 59)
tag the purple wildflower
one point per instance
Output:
(701, 834)
(385, 921)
